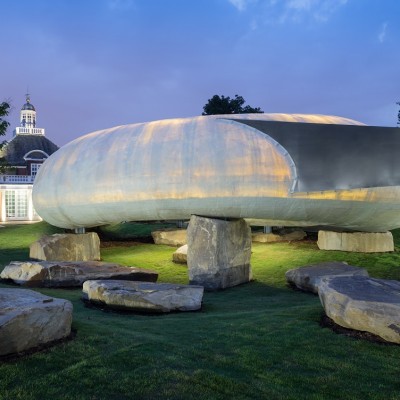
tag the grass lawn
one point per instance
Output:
(261, 340)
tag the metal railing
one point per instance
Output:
(17, 178)
(20, 130)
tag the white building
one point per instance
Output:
(24, 154)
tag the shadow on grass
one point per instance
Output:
(13, 254)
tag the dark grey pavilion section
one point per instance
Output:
(329, 157)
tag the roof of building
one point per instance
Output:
(28, 106)
(21, 145)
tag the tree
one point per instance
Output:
(226, 105)
(398, 115)
(4, 110)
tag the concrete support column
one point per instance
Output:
(30, 204)
(267, 229)
(2, 205)
(219, 252)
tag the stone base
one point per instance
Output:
(144, 296)
(274, 237)
(180, 255)
(223, 278)
(67, 247)
(170, 237)
(360, 242)
(29, 319)
(218, 252)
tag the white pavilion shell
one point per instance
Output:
(216, 166)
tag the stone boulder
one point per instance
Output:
(360, 242)
(219, 252)
(144, 296)
(309, 278)
(29, 319)
(180, 255)
(170, 237)
(364, 304)
(278, 237)
(67, 274)
(67, 247)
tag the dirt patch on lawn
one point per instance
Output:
(326, 322)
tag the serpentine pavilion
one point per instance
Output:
(23, 154)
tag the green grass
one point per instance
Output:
(15, 240)
(261, 340)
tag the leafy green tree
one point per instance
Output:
(4, 111)
(225, 105)
(398, 115)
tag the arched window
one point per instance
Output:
(36, 155)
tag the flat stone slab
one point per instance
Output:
(274, 237)
(144, 296)
(359, 242)
(170, 237)
(309, 278)
(67, 247)
(180, 255)
(29, 319)
(364, 304)
(67, 274)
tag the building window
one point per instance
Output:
(35, 168)
(17, 204)
(10, 203)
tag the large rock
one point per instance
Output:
(364, 304)
(65, 274)
(170, 237)
(309, 278)
(29, 319)
(218, 252)
(278, 237)
(144, 296)
(180, 255)
(360, 242)
(67, 247)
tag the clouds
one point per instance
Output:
(317, 10)
(291, 10)
(240, 5)
(382, 32)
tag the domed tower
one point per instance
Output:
(28, 120)
(24, 154)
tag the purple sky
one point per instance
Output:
(94, 64)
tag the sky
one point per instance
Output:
(95, 64)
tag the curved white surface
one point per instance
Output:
(212, 166)
(305, 118)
